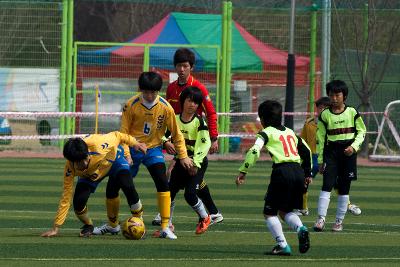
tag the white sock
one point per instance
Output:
(275, 227)
(341, 209)
(323, 203)
(293, 221)
(171, 212)
(200, 209)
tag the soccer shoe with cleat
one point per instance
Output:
(203, 224)
(87, 230)
(216, 218)
(280, 251)
(168, 234)
(157, 220)
(157, 233)
(354, 209)
(337, 226)
(304, 239)
(303, 212)
(105, 229)
(319, 224)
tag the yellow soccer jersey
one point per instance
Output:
(102, 151)
(149, 125)
(309, 134)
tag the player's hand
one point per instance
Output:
(170, 148)
(170, 168)
(193, 170)
(322, 168)
(130, 161)
(308, 181)
(187, 163)
(214, 147)
(51, 232)
(140, 147)
(240, 178)
(349, 151)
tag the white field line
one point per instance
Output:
(207, 259)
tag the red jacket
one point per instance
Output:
(174, 91)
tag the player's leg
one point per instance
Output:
(82, 193)
(204, 194)
(329, 178)
(271, 204)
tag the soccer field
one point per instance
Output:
(30, 190)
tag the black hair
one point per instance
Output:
(270, 113)
(193, 93)
(184, 55)
(150, 81)
(75, 149)
(323, 101)
(337, 86)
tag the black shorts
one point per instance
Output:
(180, 178)
(285, 191)
(340, 169)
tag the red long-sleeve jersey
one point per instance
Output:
(174, 91)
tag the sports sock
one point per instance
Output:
(323, 203)
(342, 206)
(83, 216)
(200, 209)
(164, 206)
(171, 211)
(275, 227)
(305, 201)
(293, 221)
(137, 209)
(112, 205)
(204, 194)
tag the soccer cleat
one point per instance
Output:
(304, 239)
(203, 224)
(280, 251)
(354, 209)
(216, 218)
(87, 230)
(157, 220)
(303, 212)
(105, 229)
(319, 224)
(167, 233)
(157, 233)
(337, 226)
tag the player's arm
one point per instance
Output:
(202, 145)
(360, 132)
(65, 202)
(129, 140)
(321, 135)
(125, 123)
(211, 115)
(305, 155)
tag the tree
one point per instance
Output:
(357, 37)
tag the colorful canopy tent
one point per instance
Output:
(249, 55)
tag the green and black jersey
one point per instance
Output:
(346, 127)
(283, 145)
(197, 137)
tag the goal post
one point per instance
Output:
(387, 143)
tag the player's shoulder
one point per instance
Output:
(131, 102)
(164, 103)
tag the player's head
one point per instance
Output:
(270, 113)
(190, 99)
(184, 60)
(76, 151)
(183, 55)
(337, 91)
(150, 84)
(322, 103)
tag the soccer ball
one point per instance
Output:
(133, 228)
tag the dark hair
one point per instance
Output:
(337, 86)
(150, 81)
(75, 149)
(193, 93)
(323, 101)
(184, 55)
(270, 113)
